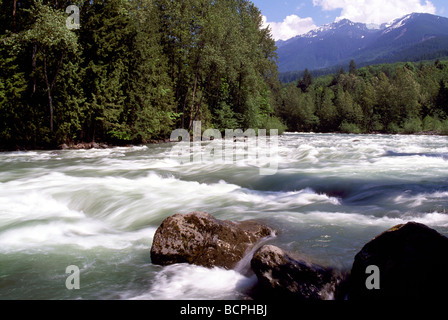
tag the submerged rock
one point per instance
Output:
(412, 260)
(199, 238)
(282, 277)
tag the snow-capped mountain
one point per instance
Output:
(408, 38)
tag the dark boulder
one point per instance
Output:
(412, 261)
(281, 276)
(199, 238)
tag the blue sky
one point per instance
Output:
(289, 18)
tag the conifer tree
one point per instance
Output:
(306, 82)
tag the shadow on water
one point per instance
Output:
(351, 191)
(443, 156)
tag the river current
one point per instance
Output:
(98, 210)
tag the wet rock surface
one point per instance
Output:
(199, 238)
(412, 261)
(281, 276)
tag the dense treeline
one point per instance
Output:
(416, 54)
(390, 98)
(134, 71)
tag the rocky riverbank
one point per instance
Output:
(410, 260)
(102, 145)
(84, 145)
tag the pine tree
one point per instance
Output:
(106, 37)
(326, 110)
(13, 86)
(148, 111)
(442, 98)
(352, 68)
(306, 82)
(406, 93)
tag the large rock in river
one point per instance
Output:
(412, 261)
(281, 276)
(199, 238)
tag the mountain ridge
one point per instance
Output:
(408, 37)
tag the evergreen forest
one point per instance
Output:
(405, 98)
(135, 70)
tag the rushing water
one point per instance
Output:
(99, 210)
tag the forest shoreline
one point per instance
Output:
(104, 145)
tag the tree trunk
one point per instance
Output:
(33, 65)
(14, 10)
(198, 109)
(184, 106)
(50, 86)
(50, 102)
(50, 99)
(192, 103)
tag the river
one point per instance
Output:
(98, 210)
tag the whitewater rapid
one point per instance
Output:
(98, 209)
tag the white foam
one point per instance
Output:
(95, 211)
(84, 234)
(358, 221)
(420, 199)
(97, 201)
(32, 206)
(190, 282)
(284, 200)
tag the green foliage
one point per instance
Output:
(49, 29)
(270, 123)
(326, 110)
(412, 125)
(432, 124)
(225, 117)
(392, 127)
(134, 71)
(12, 87)
(444, 127)
(400, 98)
(349, 127)
(138, 69)
(306, 82)
(352, 68)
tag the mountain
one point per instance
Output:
(413, 37)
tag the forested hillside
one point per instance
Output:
(135, 70)
(389, 98)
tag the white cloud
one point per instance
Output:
(375, 11)
(290, 27)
